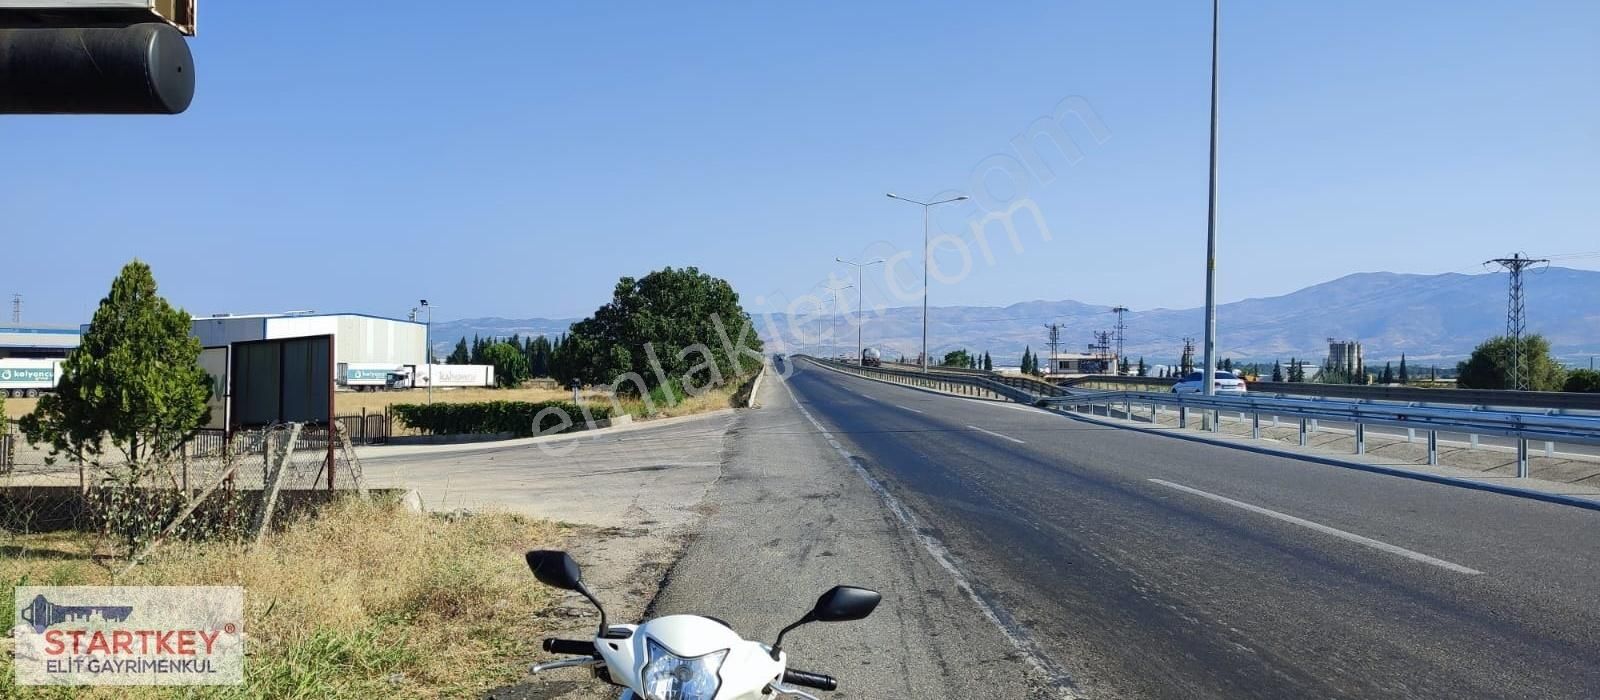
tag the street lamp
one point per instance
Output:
(833, 337)
(861, 293)
(427, 347)
(925, 255)
(1209, 384)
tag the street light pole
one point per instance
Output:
(861, 293)
(427, 349)
(1209, 384)
(926, 254)
(833, 325)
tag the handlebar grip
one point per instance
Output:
(575, 647)
(810, 680)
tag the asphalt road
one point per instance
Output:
(1144, 566)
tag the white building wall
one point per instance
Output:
(218, 332)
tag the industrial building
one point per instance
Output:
(1079, 363)
(1346, 355)
(361, 342)
(38, 341)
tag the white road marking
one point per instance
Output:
(1324, 529)
(998, 435)
(1020, 639)
(908, 408)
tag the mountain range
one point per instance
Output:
(1432, 319)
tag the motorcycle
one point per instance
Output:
(690, 657)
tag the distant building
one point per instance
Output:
(362, 344)
(1070, 363)
(1345, 355)
(36, 341)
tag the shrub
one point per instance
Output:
(1583, 380)
(516, 417)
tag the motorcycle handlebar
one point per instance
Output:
(575, 647)
(810, 680)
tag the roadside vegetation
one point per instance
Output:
(363, 600)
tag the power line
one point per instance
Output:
(1515, 321)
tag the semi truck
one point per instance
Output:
(367, 376)
(870, 357)
(27, 378)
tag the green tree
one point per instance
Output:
(1489, 366)
(1388, 374)
(1144, 370)
(134, 381)
(1027, 360)
(1404, 376)
(1297, 371)
(461, 355)
(1277, 371)
(988, 362)
(510, 364)
(1123, 367)
(1582, 380)
(674, 326)
(957, 358)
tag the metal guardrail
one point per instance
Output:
(963, 384)
(1559, 400)
(1520, 425)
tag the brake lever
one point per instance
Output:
(564, 663)
(790, 691)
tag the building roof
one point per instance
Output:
(299, 314)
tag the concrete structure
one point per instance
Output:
(1345, 355)
(1072, 363)
(36, 341)
(358, 339)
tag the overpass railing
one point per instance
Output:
(966, 383)
(1522, 426)
(1487, 398)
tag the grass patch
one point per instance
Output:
(364, 600)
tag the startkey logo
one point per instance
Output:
(129, 635)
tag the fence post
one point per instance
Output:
(1549, 449)
(1473, 440)
(1303, 432)
(1255, 426)
(1522, 458)
(1411, 434)
(1361, 438)
(1183, 416)
(1433, 448)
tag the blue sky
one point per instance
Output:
(516, 160)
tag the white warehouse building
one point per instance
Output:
(363, 345)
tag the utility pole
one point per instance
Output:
(16, 308)
(427, 350)
(1515, 322)
(1054, 344)
(1186, 361)
(1121, 327)
(1102, 348)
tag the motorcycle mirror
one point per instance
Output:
(559, 570)
(555, 569)
(845, 604)
(839, 604)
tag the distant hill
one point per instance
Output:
(1430, 318)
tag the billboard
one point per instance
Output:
(215, 362)
(281, 381)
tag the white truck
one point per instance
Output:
(454, 376)
(371, 376)
(27, 378)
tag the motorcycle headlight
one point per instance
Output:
(668, 676)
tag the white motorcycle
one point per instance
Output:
(688, 657)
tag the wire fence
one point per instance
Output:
(215, 485)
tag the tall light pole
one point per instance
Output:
(861, 293)
(1209, 384)
(833, 325)
(925, 255)
(427, 347)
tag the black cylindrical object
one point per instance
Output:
(142, 69)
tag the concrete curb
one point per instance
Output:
(750, 402)
(382, 451)
(1531, 494)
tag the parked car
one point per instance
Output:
(1226, 383)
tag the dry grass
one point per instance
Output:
(364, 601)
(351, 402)
(17, 408)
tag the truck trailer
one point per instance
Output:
(27, 378)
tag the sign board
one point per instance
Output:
(280, 381)
(215, 362)
(367, 375)
(28, 375)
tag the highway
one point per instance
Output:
(1135, 565)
